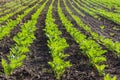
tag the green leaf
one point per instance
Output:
(108, 77)
(100, 69)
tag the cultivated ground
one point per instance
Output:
(36, 66)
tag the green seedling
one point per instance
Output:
(102, 27)
(100, 69)
(59, 66)
(108, 77)
(112, 34)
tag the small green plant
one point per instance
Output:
(112, 34)
(102, 27)
(100, 69)
(14, 63)
(59, 65)
(115, 28)
(108, 77)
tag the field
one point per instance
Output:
(59, 40)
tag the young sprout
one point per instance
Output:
(102, 27)
(108, 77)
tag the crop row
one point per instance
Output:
(56, 45)
(23, 40)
